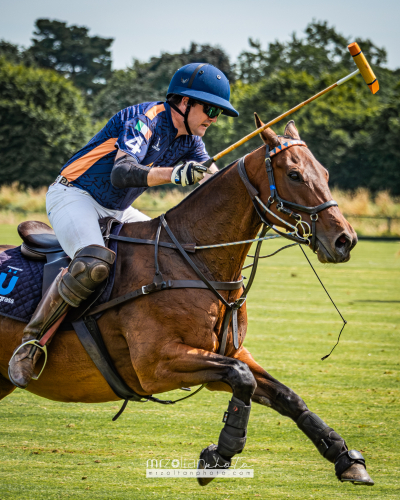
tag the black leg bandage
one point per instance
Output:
(346, 460)
(327, 441)
(233, 436)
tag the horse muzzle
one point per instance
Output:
(338, 250)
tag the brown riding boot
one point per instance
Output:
(50, 308)
(90, 267)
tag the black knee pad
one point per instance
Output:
(233, 436)
(327, 441)
(89, 268)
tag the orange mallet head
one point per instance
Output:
(364, 67)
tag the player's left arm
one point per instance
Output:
(183, 174)
(129, 173)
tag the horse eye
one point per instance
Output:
(294, 176)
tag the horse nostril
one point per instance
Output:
(343, 242)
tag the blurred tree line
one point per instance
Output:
(61, 90)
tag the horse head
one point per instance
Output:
(302, 180)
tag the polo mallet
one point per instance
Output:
(363, 67)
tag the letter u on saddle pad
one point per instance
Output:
(21, 283)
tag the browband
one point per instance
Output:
(286, 145)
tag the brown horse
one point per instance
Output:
(169, 340)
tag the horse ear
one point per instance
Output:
(291, 130)
(268, 135)
(257, 120)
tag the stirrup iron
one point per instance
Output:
(36, 343)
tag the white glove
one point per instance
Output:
(188, 173)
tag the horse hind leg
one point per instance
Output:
(6, 387)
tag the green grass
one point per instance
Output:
(51, 450)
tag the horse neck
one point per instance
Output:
(219, 211)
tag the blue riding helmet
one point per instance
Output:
(203, 82)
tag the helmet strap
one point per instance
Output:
(185, 118)
(185, 115)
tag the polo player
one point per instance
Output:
(144, 145)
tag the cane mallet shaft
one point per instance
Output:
(363, 67)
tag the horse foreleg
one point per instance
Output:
(182, 365)
(349, 465)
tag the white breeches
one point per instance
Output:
(74, 216)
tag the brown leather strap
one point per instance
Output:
(189, 247)
(170, 285)
(225, 325)
(245, 179)
(191, 263)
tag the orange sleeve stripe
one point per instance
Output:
(153, 112)
(81, 165)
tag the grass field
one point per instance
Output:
(51, 450)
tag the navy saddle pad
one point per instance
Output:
(21, 282)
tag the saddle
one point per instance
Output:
(40, 243)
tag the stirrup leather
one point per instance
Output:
(36, 343)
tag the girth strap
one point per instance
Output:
(89, 334)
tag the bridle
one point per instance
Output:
(284, 206)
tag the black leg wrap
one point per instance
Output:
(346, 460)
(327, 441)
(211, 459)
(233, 436)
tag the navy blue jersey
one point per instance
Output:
(144, 131)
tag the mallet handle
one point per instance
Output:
(277, 119)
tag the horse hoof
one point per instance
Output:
(210, 459)
(358, 475)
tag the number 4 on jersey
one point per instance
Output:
(134, 144)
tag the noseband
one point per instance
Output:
(284, 206)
